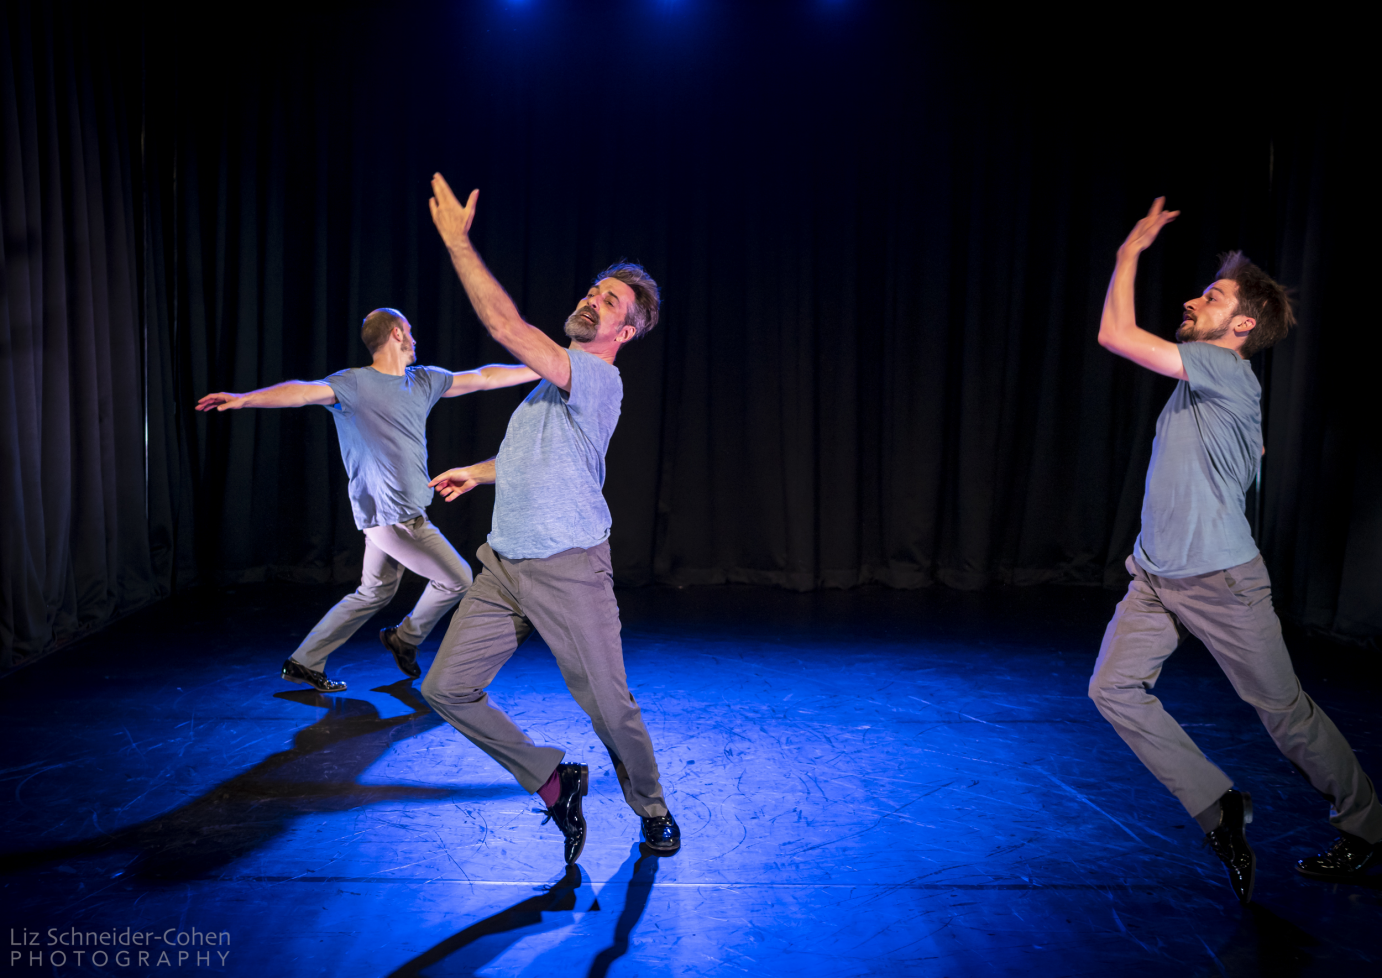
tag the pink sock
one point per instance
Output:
(551, 791)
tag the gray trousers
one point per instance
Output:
(416, 545)
(569, 599)
(1231, 613)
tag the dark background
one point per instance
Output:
(883, 233)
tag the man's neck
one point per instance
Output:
(390, 362)
(1234, 343)
(605, 353)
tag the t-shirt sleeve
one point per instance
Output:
(596, 392)
(342, 384)
(440, 381)
(1215, 372)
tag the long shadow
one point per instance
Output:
(635, 902)
(525, 918)
(524, 914)
(319, 773)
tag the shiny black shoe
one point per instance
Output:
(566, 813)
(1349, 858)
(296, 672)
(1231, 845)
(403, 653)
(661, 834)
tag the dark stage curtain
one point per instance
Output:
(1322, 514)
(883, 261)
(76, 550)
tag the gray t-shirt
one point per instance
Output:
(551, 464)
(1205, 456)
(382, 423)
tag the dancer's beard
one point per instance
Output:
(580, 327)
(1189, 333)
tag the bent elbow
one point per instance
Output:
(1112, 342)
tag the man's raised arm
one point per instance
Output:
(289, 394)
(492, 304)
(489, 378)
(1118, 329)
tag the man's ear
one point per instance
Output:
(1247, 324)
(626, 333)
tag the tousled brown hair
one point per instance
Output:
(1260, 298)
(647, 296)
(378, 325)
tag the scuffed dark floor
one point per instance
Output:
(869, 782)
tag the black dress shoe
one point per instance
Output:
(661, 834)
(1347, 859)
(403, 653)
(1230, 844)
(566, 813)
(296, 672)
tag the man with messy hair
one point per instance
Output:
(1196, 569)
(546, 563)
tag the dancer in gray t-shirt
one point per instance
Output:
(546, 565)
(381, 419)
(1196, 569)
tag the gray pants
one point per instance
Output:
(416, 545)
(569, 599)
(1231, 612)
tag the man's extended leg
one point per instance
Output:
(569, 598)
(1232, 614)
(378, 582)
(1142, 634)
(484, 633)
(421, 548)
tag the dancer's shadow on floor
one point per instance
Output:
(320, 773)
(471, 949)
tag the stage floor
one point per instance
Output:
(869, 782)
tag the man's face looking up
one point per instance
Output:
(1209, 316)
(602, 313)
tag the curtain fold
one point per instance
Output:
(76, 552)
(1322, 525)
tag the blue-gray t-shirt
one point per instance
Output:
(1206, 454)
(381, 421)
(551, 465)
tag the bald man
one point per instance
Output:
(381, 420)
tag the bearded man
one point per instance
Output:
(1195, 569)
(546, 563)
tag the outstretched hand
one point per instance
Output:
(453, 483)
(221, 402)
(1144, 232)
(452, 218)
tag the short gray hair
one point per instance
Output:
(646, 295)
